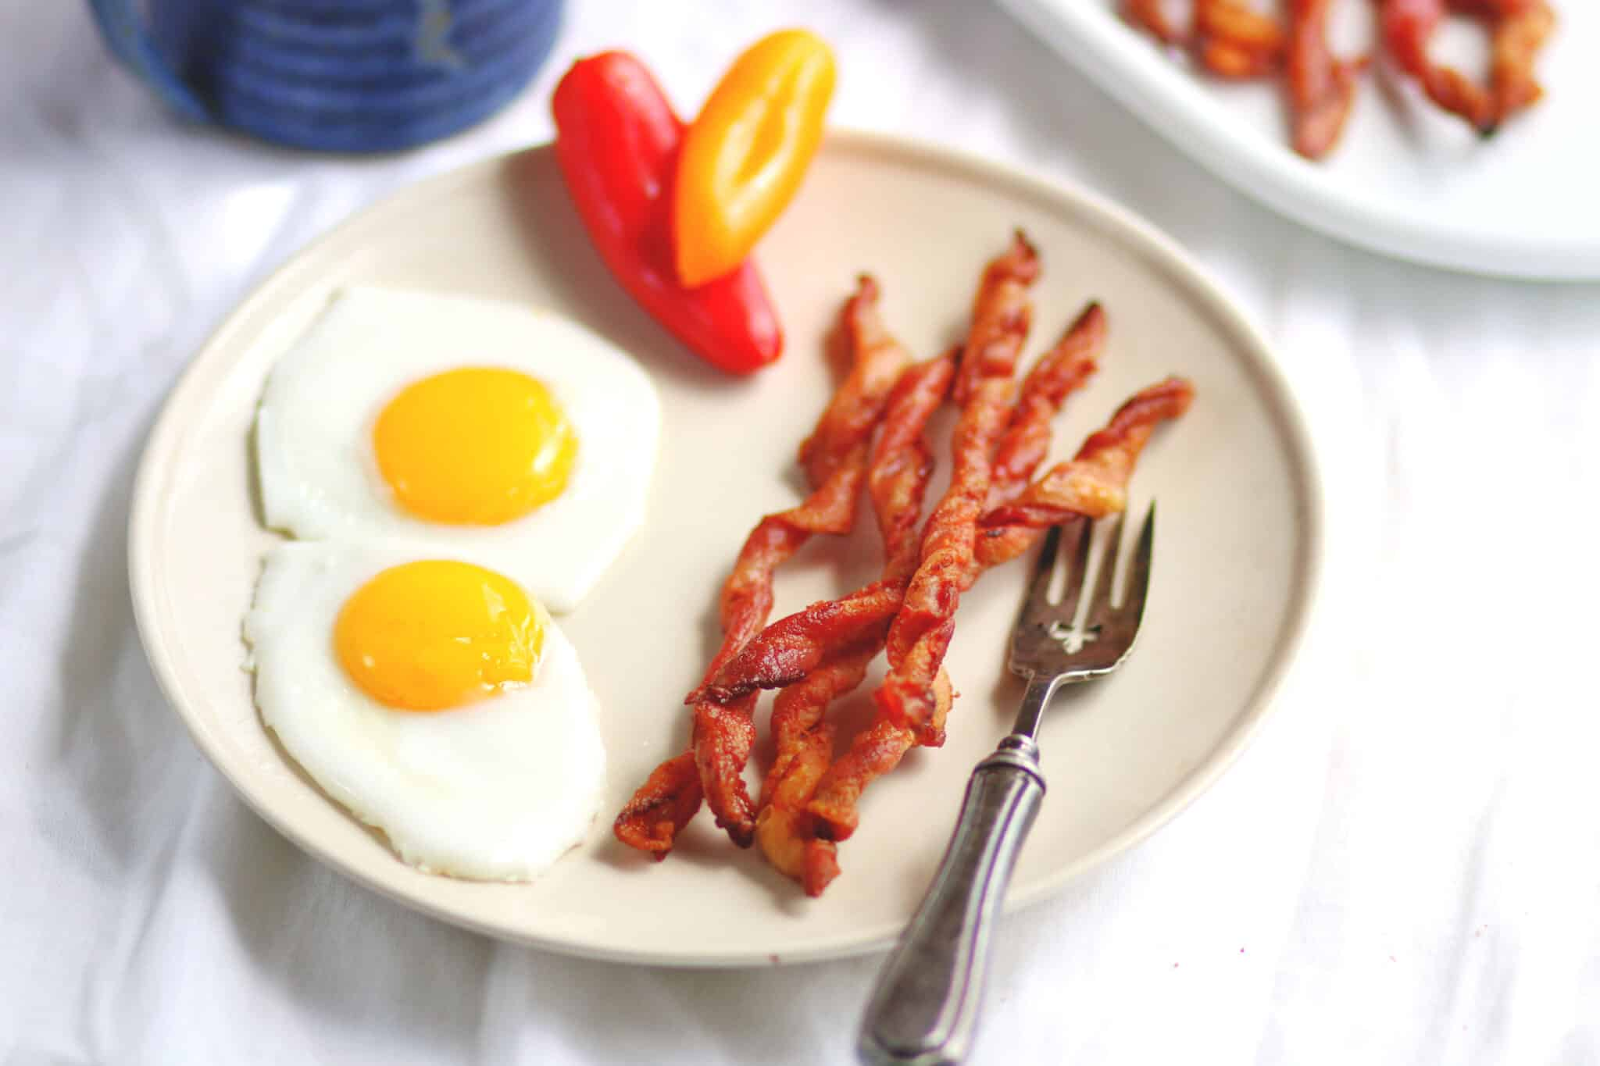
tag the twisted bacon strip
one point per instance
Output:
(1518, 30)
(897, 479)
(835, 458)
(1322, 89)
(922, 628)
(1098, 475)
(857, 405)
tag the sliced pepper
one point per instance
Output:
(745, 154)
(617, 142)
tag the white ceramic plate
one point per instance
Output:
(1405, 180)
(1237, 553)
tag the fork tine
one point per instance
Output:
(1138, 583)
(1105, 581)
(1083, 530)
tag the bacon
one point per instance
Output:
(898, 476)
(1321, 87)
(1235, 41)
(901, 464)
(835, 458)
(1063, 370)
(1094, 483)
(1229, 38)
(805, 748)
(858, 403)
(835, 452)
(826, 648)
(1518, 30)
(1109, 454)
(792, 646)
(1057, 374)
(1000, 318)
(873, 753)
(1518, 37)
(922, 628)
(661, 807)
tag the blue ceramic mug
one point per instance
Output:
(337, 75)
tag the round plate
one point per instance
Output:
(1236, 554)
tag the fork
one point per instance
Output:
(924, 1008)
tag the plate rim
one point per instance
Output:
(1160, 94)
(1165, 254)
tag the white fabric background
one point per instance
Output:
(1404, 868)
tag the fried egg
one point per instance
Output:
(432, 697)
(468, 428)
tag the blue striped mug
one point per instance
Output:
(335, 75)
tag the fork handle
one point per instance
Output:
(925, 1006)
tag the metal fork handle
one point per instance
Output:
(924, 1008)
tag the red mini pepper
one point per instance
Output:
(617, 140)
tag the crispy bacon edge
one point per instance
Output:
(834, 457)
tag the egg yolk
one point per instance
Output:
(429, 635)
(475, 446)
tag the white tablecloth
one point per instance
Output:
(1403, 868)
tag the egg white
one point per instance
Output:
(497, 790)
(319, 477)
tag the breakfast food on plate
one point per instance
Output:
(989, 514)
(1233, 40)
(675, 211)
(747, 150)
(618, 141)
(1518, 29)
(463, 428)
(433, 698)
(457, 466)
(1322, 87)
